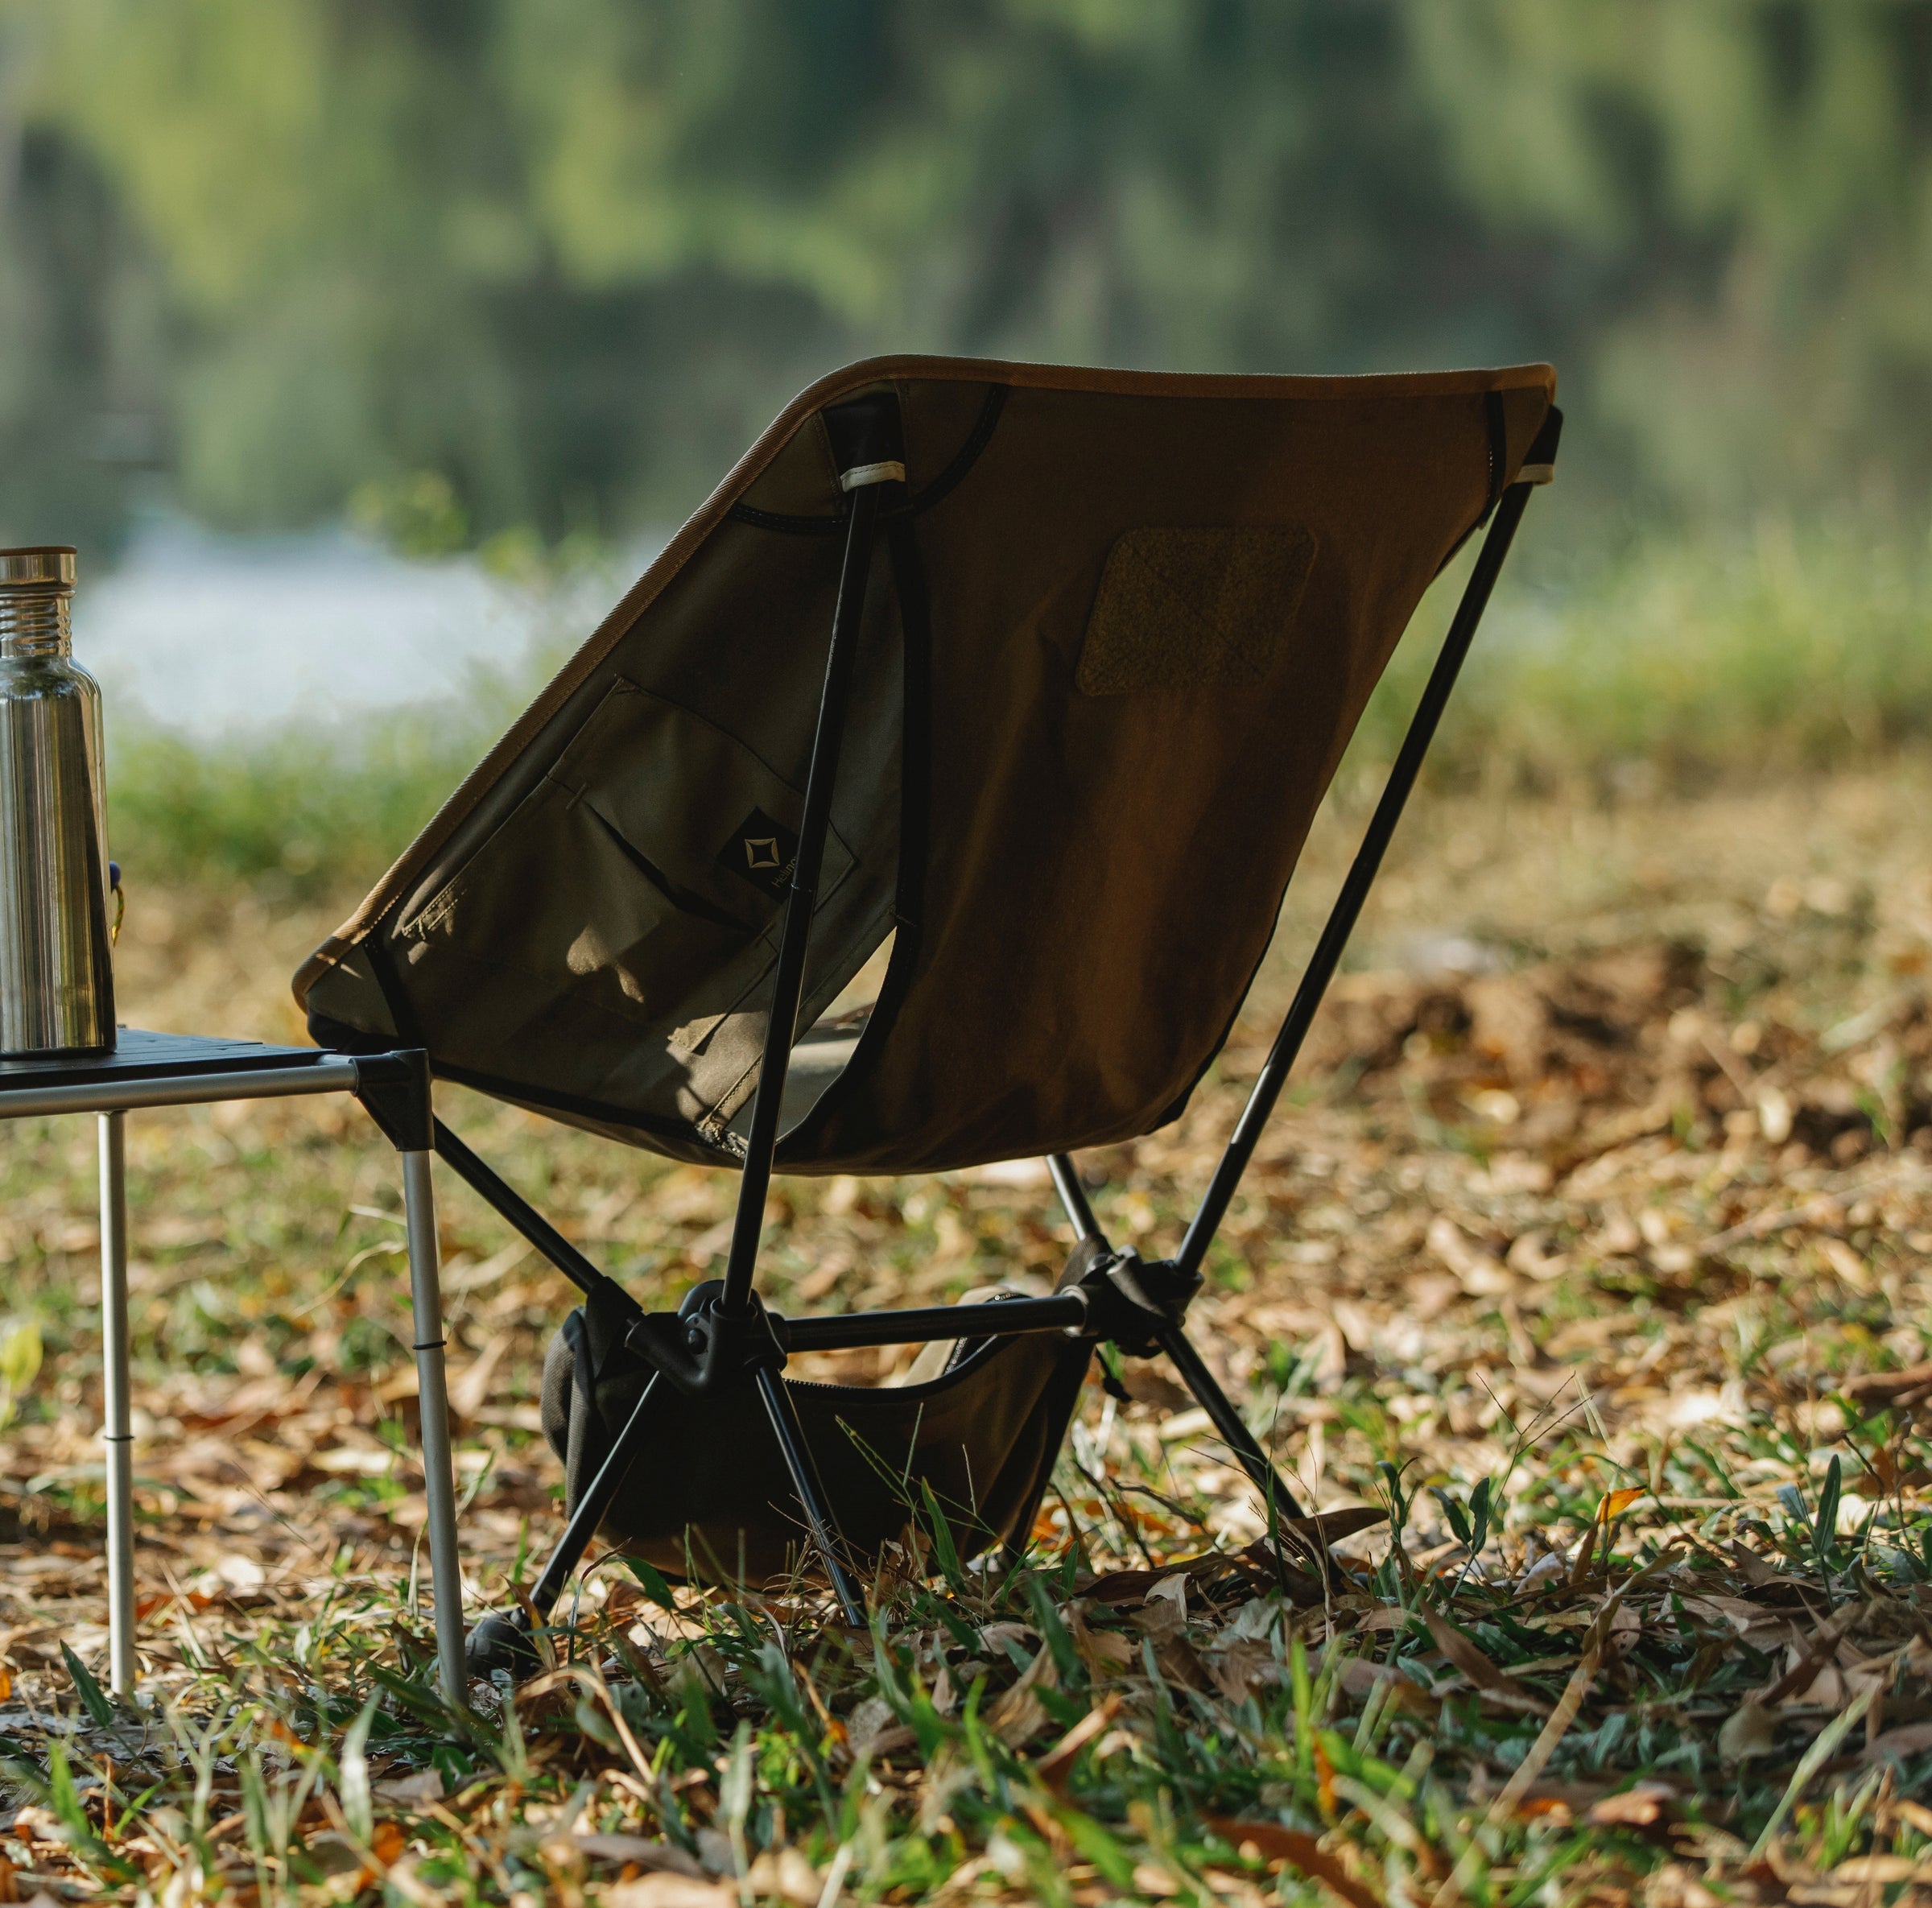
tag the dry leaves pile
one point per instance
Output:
(1593, 1252)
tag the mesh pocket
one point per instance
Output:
(1176, 608)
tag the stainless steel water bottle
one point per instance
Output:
(57, 971)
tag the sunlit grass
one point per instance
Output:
(1680, 662)
(1684, 661)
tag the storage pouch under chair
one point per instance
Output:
(709, 1497)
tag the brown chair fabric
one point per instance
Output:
(1119, 629)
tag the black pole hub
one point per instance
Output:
(702, 1348)
(1131, 1302)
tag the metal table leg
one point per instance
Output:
(439, 1475)
(118, 1432)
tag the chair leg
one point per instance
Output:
(1236, 1435)
(790, 1434)
(432, 1397)
(118, 1432)
(502, 1641)
(592, 1506)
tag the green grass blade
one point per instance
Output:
(94, 1699)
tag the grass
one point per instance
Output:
(1680, 664)
(1031, 1734)
(1596, 1642)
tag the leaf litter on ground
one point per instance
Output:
(1583, 1287)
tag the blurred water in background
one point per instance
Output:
(215, 636)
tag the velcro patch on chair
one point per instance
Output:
(1178, 608)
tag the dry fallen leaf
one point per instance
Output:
(1641, 1806)
(1913, 1739)
(424, 1786)
(665, 1890)
(787, 1875)
(654, 1853)
(1302, 1852)
(1019, 1715)
(1751, 1731)
(1878, 1870)
(1468, 1657)
(1052, 1767)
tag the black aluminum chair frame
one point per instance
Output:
(723, 1333)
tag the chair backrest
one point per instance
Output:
(1119, 629)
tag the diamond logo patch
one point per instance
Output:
(763, 852)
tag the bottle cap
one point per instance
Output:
(43, 566)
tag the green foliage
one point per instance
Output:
(20, 1364)
(1472, 1524)
(517, 276)
(566, 256)
(1749, 184)
(356, 1804)
(94, 1699)
(296, 812)
(418, 515)
(1824, 1526)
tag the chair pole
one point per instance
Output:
(1276, 1496)
(992, 1317)
(1227, 1421)
(788, 982)
(1367, 862)
(592, 1506)
(116, 1429)
(510, 1204)
(811, 1492)
(432, 1396)
(501, 1640)
(1073, 1199)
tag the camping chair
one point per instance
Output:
(1039, 674)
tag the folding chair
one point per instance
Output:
(1039, 674)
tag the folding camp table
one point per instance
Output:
(147, 1069)
(1038, 673)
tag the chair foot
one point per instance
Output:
(502, 1641)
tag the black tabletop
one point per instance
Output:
(139, 1054)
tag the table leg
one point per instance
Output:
(118, 1433)
(439, 1475)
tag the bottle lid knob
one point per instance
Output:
(44, 566)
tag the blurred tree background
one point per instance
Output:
(524, 277)
(553, 263)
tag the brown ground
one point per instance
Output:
(1614, 1142)
(1691, 1028)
